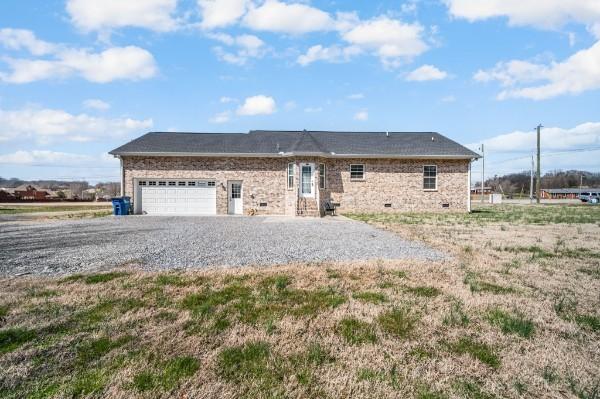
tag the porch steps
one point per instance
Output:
(307, 207)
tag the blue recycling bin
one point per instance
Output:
(121, 206)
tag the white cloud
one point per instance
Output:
(328, 54)
(356, 96)
(393, 41)
(522, 79)
(312, 110)
(425, 73)
(296, 18)
(361, 116)
(22, 39)
(247, 46)
(46, 125)
(225, 100)
(562, 148)
(43, 157)
(290, 105)
(221, 117)
(547, 14)
(220, 13)
(94, 103)
(257, 105)
(115, 63)
(94, 15)
(582, 136)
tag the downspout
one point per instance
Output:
(469, 187)
(122, 175)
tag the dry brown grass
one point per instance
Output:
(374, 329)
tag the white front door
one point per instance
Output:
(307, 184)
(236, 206)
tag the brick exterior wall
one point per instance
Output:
(394, 181)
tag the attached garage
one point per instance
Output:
(176, 197)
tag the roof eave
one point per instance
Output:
(293, 154)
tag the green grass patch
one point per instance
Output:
(516, 323)
(144, 381)
(357, 332)
(103, 277)
(477, 285)
(478, 350)
(4, 309)
(370, 297)
(92, 350)
(88, 383)
(178, 369)
(13, 338)
(471, 390)
(424, 291)
(398, 322)
(593, 272)
(588, 321)
(169, 375)
(456, 316)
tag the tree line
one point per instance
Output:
(519, 182)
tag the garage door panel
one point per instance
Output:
(195, 198)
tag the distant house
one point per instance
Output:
(566, 193)
(477, 190)
(7, 194)
(29, 192)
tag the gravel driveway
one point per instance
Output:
(61, 247)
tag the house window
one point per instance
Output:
(162, 183)
(211, 184)
(290, 175)
(172, 183)
(142, 183)
(322, 178)
(181, 183)
(191, 183)
(152, 183)
(429, 177)
(357, 172)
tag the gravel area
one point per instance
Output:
(63, 247)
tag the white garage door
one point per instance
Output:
(176, 197)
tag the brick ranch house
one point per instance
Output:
(294, 172)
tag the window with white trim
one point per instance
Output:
(181, 183)
(430, 177)
(322, 176)
(162, 183)
(142, 183)
(357, 171)
(192, 183)
(211, 184)
(152, 183)
(172, 183)
(290, 175)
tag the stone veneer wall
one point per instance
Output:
(263, 179)
(395, 181)
(398, 182)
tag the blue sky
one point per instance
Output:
(80, 77)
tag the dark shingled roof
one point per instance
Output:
(322, 143)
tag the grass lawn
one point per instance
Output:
(513, 313)
(12, 210)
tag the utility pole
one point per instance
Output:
(538, 186)
(482, 172)
(531, 182)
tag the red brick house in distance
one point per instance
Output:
(294, 172)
